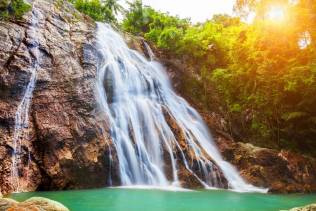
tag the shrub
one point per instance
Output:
(13, 9)
(96, 9)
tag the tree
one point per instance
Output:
(114, 6)
(96, 9)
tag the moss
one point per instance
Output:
(13, 9)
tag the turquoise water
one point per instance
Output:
(159, 200)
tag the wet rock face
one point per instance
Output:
(281, 172)
(65, 146)
(187, 178)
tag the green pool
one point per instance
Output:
(160, 200)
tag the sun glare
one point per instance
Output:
(276, 13)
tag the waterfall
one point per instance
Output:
(150, 53)
(22, 113)
(136, 96)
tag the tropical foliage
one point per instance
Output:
(99, 10)
(264, 72)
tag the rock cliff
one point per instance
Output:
(64, 145)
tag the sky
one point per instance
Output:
(196, 10)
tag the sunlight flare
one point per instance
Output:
(276, 13)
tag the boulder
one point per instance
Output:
(6, 203)
(38, 204)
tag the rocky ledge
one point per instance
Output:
(311, 207)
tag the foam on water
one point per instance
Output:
(150, 187)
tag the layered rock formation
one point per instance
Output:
(64, 145)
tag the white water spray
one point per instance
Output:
(135, 94)
(21, 127)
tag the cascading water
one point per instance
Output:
(22, 113)
(150, 53)
(135, 95)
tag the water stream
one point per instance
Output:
(135, 95)
(21, 127)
